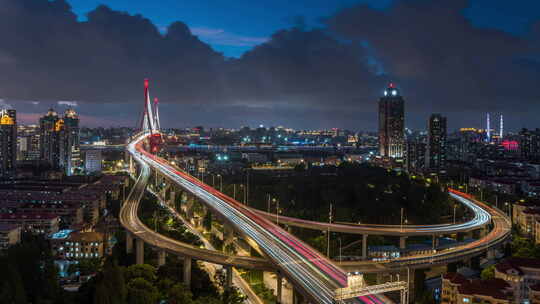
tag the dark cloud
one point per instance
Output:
(303, 78)
(442, 60)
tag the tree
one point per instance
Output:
(207, 221)
(101, 295)
(232, 295)
(488, 273)
(113, 275)
(144, 271)
(140, 291)
(179, 294)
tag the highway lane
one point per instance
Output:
(481, 218)
(247, 222)
(238, 281)
(310, 272)
(500, 233)
(129, 219)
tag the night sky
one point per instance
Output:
(306, 64)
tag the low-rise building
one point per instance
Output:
(10, 234)
(78, 245)
(42, 223)
(520, 274)
(456, 289)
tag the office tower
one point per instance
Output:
(8, 143)
(50, 128)
(92, 161)
(501, 125)
(391, 124)
(488, 129)
(529, 144)
(436, 145)
(70, 158)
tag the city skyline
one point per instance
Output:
(336, 84)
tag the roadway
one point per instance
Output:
(311, 273)
(500, 233)
(481, 218)
(130, 220)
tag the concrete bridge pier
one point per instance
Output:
(279, 286)
(161, 257)
(364, 246)
(139, 251)
(228, 278)
(435, 241)
(172, 198)
(228, 234)
(187, 271)
(490, 254)
(402, 242)
(129, 242)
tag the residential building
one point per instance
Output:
(456, 289)
(78, 245)
(8, 143)
(520, 274)
(10, 234)
(436, 145)
(92, 161)
(43, 223)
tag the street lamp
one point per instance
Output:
(401, 220)
(328, 234)
(455, 206)
(220, 182)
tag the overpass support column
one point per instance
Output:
(228, 279)
(187, 271)
(139, 251)
(402, 242)
(161, 258)
(435, 241)
(491, 254)
(172, 198)
(228, 234)
(279, 286)
(364, 246)
(129, 242)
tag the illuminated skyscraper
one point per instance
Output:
(70, 156)
(391, 123)
(436, 146)
(60, 140)
(8, 143)
(50, 126)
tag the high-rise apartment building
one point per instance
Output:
(50, 126)
(436, 145)
(59, 140)
(391, 124)
(70, 154)
(92, 161)
(8, 143)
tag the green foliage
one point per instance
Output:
(28, 273)
(141, 291)
(359, 193)
(488, 273)
(143, 271)
(207, 221)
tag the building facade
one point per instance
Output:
(60, 141)
(92, 161)
(436, 145)
(8, 143)
(391, 124)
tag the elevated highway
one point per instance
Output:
(130, 220)
(481, 218)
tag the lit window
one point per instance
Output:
(394, 92)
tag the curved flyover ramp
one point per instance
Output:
(130, 220)
(481, 218)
